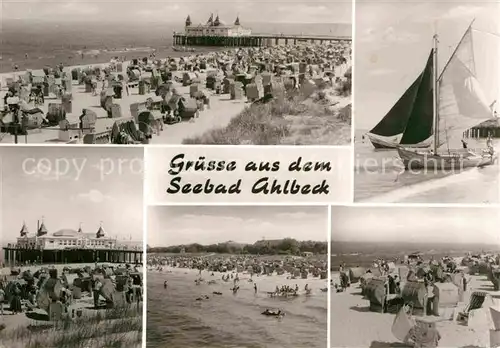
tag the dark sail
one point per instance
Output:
(395, 120)
(421, 122)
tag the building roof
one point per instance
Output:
(100, 232)
(211, 22)
(42, 229)
(24, 230)
(66, 232)
(491, 123)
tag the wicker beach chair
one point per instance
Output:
(476, 301)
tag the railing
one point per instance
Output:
(277, 36)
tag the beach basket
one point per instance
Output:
(355, 273)
(55, 113)
(66, 101)
(76, 293)
(495, 317)
(227, 82)
(253, 92)
(236, 91)
(56, 311)
(50, 290)
(193, 90)
(375, 292)
(121, 282)
(495, 279)
(447, 294)
(116, 111)
(416, 293)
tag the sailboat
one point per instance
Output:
(458, 105)
(410, 121)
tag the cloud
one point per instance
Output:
(392, 35)
(461, 11)
(94, 196)
(387, 36)
(169, 11)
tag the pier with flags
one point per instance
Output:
(215, 32)
(70, 246)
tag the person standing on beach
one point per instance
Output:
(165, 284)
(2, 298)
(96, 290)
(255, 287)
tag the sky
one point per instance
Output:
(87, 187)
(180, 225)
(284, 11)
(416, 224)
(393, 41)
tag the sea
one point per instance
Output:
(363, 254)
(176, 319)
(45, 43)
(379, 177)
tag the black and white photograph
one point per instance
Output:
(415, 277)
(237, 276)
(71, 227)
(427, 85)
(165, 72)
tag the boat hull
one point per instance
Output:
(381, 143)
(393, 143)
(457, 159)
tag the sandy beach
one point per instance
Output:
(84, 325)
(353, 325)
(221, 111)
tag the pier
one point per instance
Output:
(19, 256)
(254, 40)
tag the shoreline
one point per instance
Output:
(103, 58)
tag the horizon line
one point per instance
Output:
(412, 242)
(244, 243)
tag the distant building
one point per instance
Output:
(216, 28)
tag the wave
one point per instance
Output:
(430, 185)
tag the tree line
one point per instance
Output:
(287, 246)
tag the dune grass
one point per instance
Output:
(114, 328)
(300, 118)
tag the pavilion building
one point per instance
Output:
(70, 246)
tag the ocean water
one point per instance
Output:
(379, 177)
(176, 319)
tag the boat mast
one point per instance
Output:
(435, 93)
